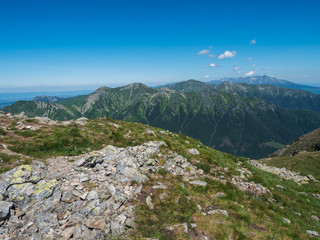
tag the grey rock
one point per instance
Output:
(193, 151)
(286, 220)
(149, 202)
(219, 195)
(199, 183)
(313, 233)
(220, 211)
(116, 229)
(19, 175)
(5, 209)
(68, 197)
(92, 195)
(45, 221)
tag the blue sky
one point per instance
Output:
(82, 44)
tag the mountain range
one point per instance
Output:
(241, 119)
(267, 80)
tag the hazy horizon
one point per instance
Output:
(89, 87)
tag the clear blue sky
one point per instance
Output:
(86, 43)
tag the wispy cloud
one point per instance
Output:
(236, 68)
(250, 73)
(212, 65)
(254, 65)
(253, 42)
(204, 51)
(227, 54)
(249, 59)
(211, 55)
(206, 76)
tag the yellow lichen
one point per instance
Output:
(23, 170)
(46, 186)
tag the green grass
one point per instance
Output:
(10, 161)
(60, 141)
(8, 158)
(2, 132)
(26, 133)
(275, 145)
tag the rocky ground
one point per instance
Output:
(283, 173)
(86, 197)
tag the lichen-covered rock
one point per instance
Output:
(19, 175)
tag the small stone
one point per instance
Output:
(76, 193)
(97, 223)
(68, 197)
(223, 212)
(80, 162)
(313, 233)
(286, 220)
(314, 217)
(219, 195)
(149, 202)
(116, 229)
(193, 225)
(198, 183)
(92, 195)
(193, 151)
(84, 178)
(84, 196)
(67, 233)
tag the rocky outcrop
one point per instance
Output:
(88, 198)
(283, 173)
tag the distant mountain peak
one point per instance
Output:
(43, 98)
(135, 85)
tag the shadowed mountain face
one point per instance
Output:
(224, 120)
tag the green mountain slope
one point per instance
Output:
(283, 97)
(309, 142)
(243, 126)
(302, 155)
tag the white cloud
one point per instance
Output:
(250, 73)
(253, 42)
(206, 76)
(212, 65)
(250, 59)
(236, 68)
(211, 55)
(254, 65)
(204, 51)
(227, 54)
